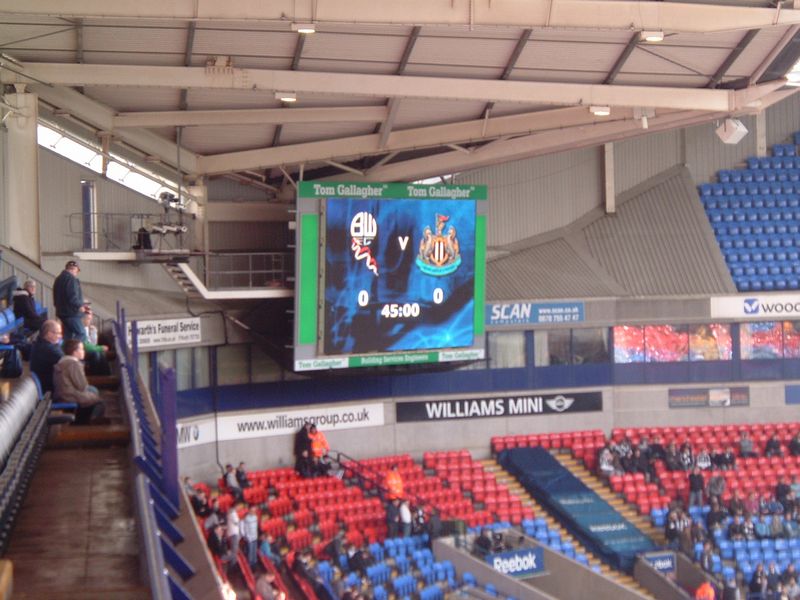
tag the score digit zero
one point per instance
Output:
(363, 297)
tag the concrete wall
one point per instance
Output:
(628, 406)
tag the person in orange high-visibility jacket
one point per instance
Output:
(319, 444)
(393, 482)
(705, 592)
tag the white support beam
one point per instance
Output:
(590, 14)
(256, 116)
(101, 117)
(381, 86)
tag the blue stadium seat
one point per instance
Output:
(468, 578)
(490, 589)
(379, 593)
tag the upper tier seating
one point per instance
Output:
(755, 214)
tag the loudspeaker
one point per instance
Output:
(731, 131)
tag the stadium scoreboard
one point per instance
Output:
(389, 274)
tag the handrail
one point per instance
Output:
(154, 555)
(44, 292)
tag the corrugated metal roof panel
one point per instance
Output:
(134, 38)
(465, 71)
(687, 80)
(297, 133)
(569, 55)
(132, 99)
(659, 242)
(342, 66)
(550, 270)
(558, 76)
(757, 51)
(37, 37)
(416, 113)
(720, 39)
(220, 42)
(210, 99)
(675, 60)
(134, 58)
(227, 138)
(604, 36)
(458, 51)
(335, 46)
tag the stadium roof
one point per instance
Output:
(389, 90)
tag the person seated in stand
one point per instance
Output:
(716, 487)
(762, 528)
(736, 505)
(696, 487)
(724, 461)
(269, 549)
(794, 445)
(265, 588)
(673, 458)
(232, 483)
(746, 445)
(218, 545)
(749, 528)
(782, 489)
(703, 459)
(687, 456)
(657, 450)
(45, 353)
(736, 529)
(716, 516)
(605, 462)
(200, 504)
(70, 385)
(791, 529)
(241, 476)
(773, 447)
(25, 307)
(776, 527)
(483, 543)
(97, 355)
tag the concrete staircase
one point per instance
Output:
(183, 281)
(516, 488)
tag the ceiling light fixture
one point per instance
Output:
(304, 27)
(651, 36)
(600, 111)
(286, 96)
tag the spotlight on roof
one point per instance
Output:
(304, 27)
(600, 111)
(286, 96)
(651, 36)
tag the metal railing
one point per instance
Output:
(249, 270)
(44, 292)
(123, 231)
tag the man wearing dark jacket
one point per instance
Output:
(25, 306)
(45, 353)
(68, 299)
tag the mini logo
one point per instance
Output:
(439, 253)
(363, 229)
(559, 403)
(751, 306)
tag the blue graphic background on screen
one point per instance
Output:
(350, 328)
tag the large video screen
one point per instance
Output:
(389, 274)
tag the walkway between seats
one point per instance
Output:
(76, 536)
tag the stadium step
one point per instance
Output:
(182, 280)
(629, 511)
(504, 477)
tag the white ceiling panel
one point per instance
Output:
(133, 58)
(133, 99)
(343, 66)
(55, 56)
(476, 33)
(222, 99)
(725, 39)
(379, 48)
(757, 52)
(688, 80)
(605, 36)
(456, 51)
(675, 60)
(558, 75)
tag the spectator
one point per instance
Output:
(773, 447)
(250, 534)
(716, 487)
(773, 577)
(724, 460)
(776, 527)
(232, 483)
(687, 456)
(672, 530)
(705, 591)
(703, 459)
(25, 306)
(393, 518)
(771, 505)
(696, 486)
(265, 588)
(200, 504)
(216, 543)
(794, 445)
(233, 529)
(752, 505)
(698, 532)
(736, 504)
(758, 581)
(795, 485)
(673, 458)
(762, 528)
(215, 517)
(97, 355)
(241, 477)
(730, 590)
(302, 441)
(483, 543)
(790, 527)
(70, 385)
(749, 528)
(605, 462)
(657, 451)
(707, 558)
(393, 483)
(644, 446)
(717, 515)
(790, 572)
(792, 589)
(304, 465)
(640, 463)
(746, 445)
(319, 444)
(268, 549)
(782, 491)
(405, 518)
(358, 559)
(45, 353)
(736, 529)
(69, 302)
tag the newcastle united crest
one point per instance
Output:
(439, 253)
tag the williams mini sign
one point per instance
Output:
(499, 406)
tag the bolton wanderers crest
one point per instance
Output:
(439, 253)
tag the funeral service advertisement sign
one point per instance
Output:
(167, 332)
(499, 406)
